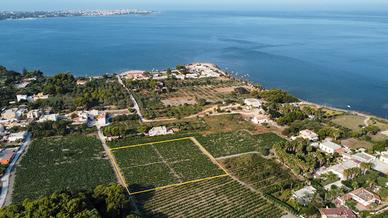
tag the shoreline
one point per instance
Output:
(255, 84)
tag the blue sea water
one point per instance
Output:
(336, 59)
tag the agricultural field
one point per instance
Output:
(57, 164)
(159, 164)
(257, 171)
(227, 123)
(211, 198)
(223, 144)
(352, 122)
(211, 93)
(354, 143)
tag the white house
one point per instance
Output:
(363, 157)
(329, 147)
(159, 130)
(309, 135)
(17, 137)
(253, 102)
(49, 117)
(260, 120)
(39, 96)
(21, 97)
(192, 75)
(338, 169)
(34, 114)
(304, 195)
(102, 119)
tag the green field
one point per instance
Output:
(220, 197)
(257, 171)
(57, 164)
(352, 122)
(160, 164)
(223, 144)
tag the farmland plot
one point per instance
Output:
(213, 198)
(223, 144)
(57, 164)
(159, 164)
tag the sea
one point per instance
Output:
(337, 59)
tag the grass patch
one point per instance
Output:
(56, 164)
(352, 122)
(227, 123)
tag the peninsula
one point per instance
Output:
(69, 13)
(188, 141)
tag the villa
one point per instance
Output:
(160, 130)
(364, 198)
(337, 213)
(252, 103)
(338, 169)
(309, 135)
(17, 137)
(304, 195)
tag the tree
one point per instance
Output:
(365, 167)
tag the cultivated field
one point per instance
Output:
(223, 144)
(220, 197)
(211, 93)
(158, 164)
(257, 171)
(57, 164)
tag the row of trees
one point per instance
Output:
(104, 201)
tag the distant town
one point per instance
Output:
(68, 13)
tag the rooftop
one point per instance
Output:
(337, 213)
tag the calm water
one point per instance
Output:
(332, 59)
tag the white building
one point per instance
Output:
(304, 195)
(102, 119)
(23, 97)
(309, 135)
(363, 157)
(329, 147)
(253, 102)
(338, 169)
(49, 117)
(260, 120)
(191, 75)
(34, 114)
(17, 137)
(159, 130)
(40, 96)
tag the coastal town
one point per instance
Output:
(12, 15)
(194, 136)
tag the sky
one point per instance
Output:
(279, 5)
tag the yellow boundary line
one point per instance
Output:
(193, 140)
(149, 143)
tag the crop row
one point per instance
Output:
(160, 164)
(56, 164)
(214, 198)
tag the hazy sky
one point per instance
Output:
(197, 4)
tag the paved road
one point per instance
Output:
(5, 180)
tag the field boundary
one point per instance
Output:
(193, 140)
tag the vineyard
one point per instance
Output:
(223, 144)
(163, 163)
(56, 164)
(263, 174)
(212, 198)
